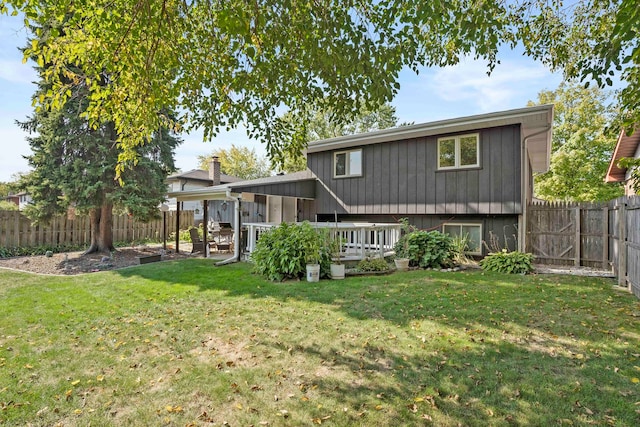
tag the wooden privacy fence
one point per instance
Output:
(600, 235)
(16, 230)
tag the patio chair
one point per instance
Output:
(196, 241)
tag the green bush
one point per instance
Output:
(426, 249)
(372, 264)
(284, 251)
(508, 262)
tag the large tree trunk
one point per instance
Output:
(101, 229)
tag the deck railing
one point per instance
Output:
(357, 240)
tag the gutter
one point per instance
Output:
(237, 236)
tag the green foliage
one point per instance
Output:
(426, 249)
(241, 162)
(8, 206)
(508, 262)
(237, 62)
(372, 264)
(38, 250)
(459, 247)
(74, 161)
(582, 146)
(284, 251)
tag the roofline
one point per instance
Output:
(614, 172)
(500, 118)
(219, 192)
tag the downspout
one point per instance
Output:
(237, 236)
(525, 172)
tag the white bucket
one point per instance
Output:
(313, 272)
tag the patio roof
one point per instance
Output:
(216, 192)
(221, 192)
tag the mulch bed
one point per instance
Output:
(71, 263)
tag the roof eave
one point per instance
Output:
(461, 124)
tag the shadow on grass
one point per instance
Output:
(477, 349)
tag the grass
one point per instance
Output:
(186, 343)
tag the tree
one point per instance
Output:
(8, 206)
(242, 62)
(241, 162)
(74, 166)
(5, 189)
(324, 124)
(583, 140)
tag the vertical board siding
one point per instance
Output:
(16, 230)
(401, 177)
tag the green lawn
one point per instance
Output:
(186, 343)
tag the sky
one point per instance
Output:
(433, 94)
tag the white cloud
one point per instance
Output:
(510, 85)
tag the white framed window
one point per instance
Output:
(472, 232)
(347, 163)
(460, 151)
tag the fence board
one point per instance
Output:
(16, 230)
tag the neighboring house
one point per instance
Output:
(195, 179)
(470, 175)
(627, 146)
(21, 199)
(13, 198)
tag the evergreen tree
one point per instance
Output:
(74, 166)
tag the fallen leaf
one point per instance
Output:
(635, 380)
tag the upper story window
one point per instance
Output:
(461, 151)
(347, 163)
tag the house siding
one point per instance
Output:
(401, 178)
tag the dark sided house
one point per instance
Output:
(470, 175)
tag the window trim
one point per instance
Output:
(347, 165)
(467, 224)
(457, 154)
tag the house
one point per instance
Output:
(627, 146)
(470, 175)
(194, 179)
(21, 199)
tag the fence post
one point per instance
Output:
(578, 242)
(622, 244)
(605, 237)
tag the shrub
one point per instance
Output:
(429, 249)
(284, 251)
(508, 262)
(459, 247)
(373, 264)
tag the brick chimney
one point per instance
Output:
(214, 170)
